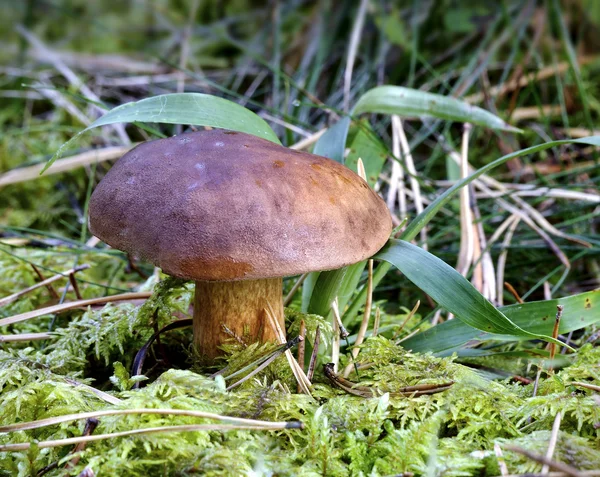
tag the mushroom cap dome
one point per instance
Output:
(223, 205)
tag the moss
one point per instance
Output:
(450, 433)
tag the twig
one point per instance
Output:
(552, 464)
(24, 174)
(397, 186)
(414, 183)
(376, 322)
(50, 310)
(365, 321)
(19, 337)
(513, 222)
(88, 430)
(301, 347)
(586, 386)
(552, 442)
(513, 292)
(467, 239)
(313, 357)
(151, 430)
(500, 458)
(288, 299)
(48, 286)
(408, 317)
(559, 312)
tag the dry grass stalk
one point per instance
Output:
(151, 430)
(414, 183)
(288, 299)
(406, 320)
(24, 174)
(309, 141)
(335, 345)
(313, 357)
(50, 310)
(301, 347)
(552, 442)
(301, 378)
(20, 337)
(512, 224)
(364, 325)
(500, 458)
(397, 186)
(46, 282)
(52, 421)
(467, 237)
(376, 322)
(552, 464)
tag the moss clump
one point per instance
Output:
(450, 433)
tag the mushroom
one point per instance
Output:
(236, 213)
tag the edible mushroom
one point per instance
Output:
(236, 213)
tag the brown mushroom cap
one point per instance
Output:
(222, 205)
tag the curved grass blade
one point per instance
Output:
(412, 102)
(537, 317)
(183, 108)
(451, 290)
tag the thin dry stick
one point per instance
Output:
(484, 266)
(552, 442)
(513, 223)
(559, 312)
(15, 296)
(19, 337)
(465, 256)
(309, 141)
(414, 183)
(313, 357)
(90, 427)
(586, 386)
(296, 370)
(353, 49)
(335, 345)
(560, 466)
(360, 169)
(266, 363)
(301, 347)
(513, 292)
(99, 394)
(500, 459)
(364, 325)
(408, 317)
(151, 430)
(376, 322)
(24, 174)
(397, 186)
(51, 421)
(49, 287)
(50, 310)
(288, 299)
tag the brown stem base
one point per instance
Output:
(226, 309)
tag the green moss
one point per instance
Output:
(450, 433)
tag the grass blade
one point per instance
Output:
(183, 108)
(411, 102)
(536, 317)
(450, 289)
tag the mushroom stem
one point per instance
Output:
(238, 307)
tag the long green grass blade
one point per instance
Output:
(412, 102)
(537, 317)
(450, 289)
(183, 108)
